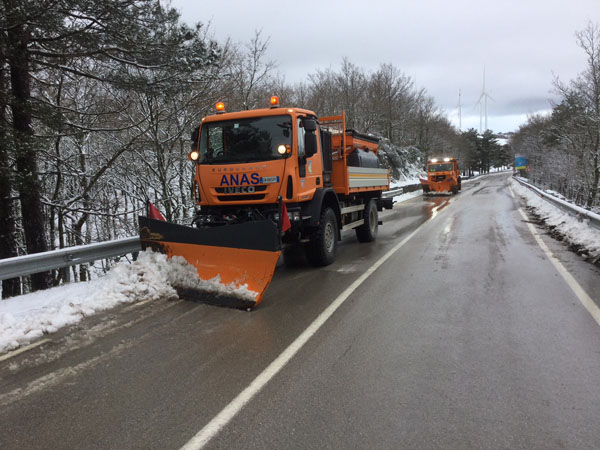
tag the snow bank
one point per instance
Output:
(404, 197)
(575, 231)
(26, 318)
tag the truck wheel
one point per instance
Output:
(459, 183)
(454, 190)
(321, 249)
(368, 231)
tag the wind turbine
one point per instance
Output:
(484, 96)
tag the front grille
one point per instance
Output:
(223, 190)
(439, 177)
(242, 197)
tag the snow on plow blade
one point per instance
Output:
(243, 255)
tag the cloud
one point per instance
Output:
(442, 45)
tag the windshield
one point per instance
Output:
(440, 168)
(246, 140)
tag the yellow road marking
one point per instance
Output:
(22, 349)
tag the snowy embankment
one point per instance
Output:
(404, 197)
(26, 318)
(413, 173)
(578, 233)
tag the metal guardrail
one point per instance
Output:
(20, 266)
(577, 211)
(401, 190)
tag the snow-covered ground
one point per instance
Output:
(407, 196)
(413, 178)
(574, 231)
(26, 318)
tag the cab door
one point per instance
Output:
(310, 168)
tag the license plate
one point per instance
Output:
(266, 180)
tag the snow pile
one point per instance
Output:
(183, 275)
(26, 318)
(576, 232)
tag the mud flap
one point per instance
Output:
(242, 254)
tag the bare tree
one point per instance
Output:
(248, 71)
(588, 87)
(564, 148)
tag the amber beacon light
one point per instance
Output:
(274, 102)
(220, 107)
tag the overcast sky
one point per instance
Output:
(443, 45)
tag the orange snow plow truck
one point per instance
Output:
(442, 176)
(269, 181)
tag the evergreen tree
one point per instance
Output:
(123, 45)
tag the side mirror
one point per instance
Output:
(310, 125)
(310, 144)
(310, 137)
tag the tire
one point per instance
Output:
(322, 247)
(368, 231)
(454, 190)
(459, 183)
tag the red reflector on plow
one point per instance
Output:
(285, 219)
(154, 213)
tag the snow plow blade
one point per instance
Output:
(437, 186)
(242, 255)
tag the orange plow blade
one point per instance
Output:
(437, 186)
(240, 257)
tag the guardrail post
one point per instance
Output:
(68, 258)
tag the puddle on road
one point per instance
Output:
(435, 205)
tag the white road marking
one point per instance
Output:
(581, 294)
(22, 349)
(213, 427)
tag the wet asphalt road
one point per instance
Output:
(467, 337)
